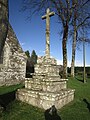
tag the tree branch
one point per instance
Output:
(59, 9)
(86, 2)
(83, 22)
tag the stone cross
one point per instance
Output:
(47, 17)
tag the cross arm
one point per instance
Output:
(51, 14)
(44, 17)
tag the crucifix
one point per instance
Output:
(47, 17)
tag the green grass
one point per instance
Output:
(7, 89)
(21, 111)
(76, 110)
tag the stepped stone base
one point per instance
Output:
(45, 99)
(46, 85)
(46, 88)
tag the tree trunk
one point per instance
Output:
(3, 23)
(73, 52)
(74, 42)
(64, 49)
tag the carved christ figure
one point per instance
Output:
(47, 17)
(3, 23)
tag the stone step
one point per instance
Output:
(44, 60)
(46, 69)
(45, 99)
(53, 86)
(45, 77)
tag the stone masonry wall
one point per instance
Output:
(13, 69)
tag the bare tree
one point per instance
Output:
(64, 12)
(3, 23)
(74, 18)
(63, 9)
(81, 17)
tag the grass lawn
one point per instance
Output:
(76, 110)
(7, 89)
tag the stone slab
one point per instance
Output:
(44, 60)
(46, 69)
(48, 86)
(45, 100)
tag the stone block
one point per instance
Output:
(45, 99)
(53, 86)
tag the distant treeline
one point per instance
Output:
(80, 69)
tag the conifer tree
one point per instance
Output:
(33, 57)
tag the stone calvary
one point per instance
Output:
(46, 88)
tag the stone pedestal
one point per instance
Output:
(45, 88)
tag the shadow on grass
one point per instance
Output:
(79, 79)
(87, 103)
(51, 114)
(5, 99)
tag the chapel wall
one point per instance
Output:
(13, 69)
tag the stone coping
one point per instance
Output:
(46, 64)
(45, 75)
(45, 80)
(52, 96)
(27, 79)
(44, 59)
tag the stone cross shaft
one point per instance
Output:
(47, 17)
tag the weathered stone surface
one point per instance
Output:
(3, 23)
(44, 60)
(46, 88)
(47, 17)
(46, 85)
(45, 99)
(46, 66)
(13, 69)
